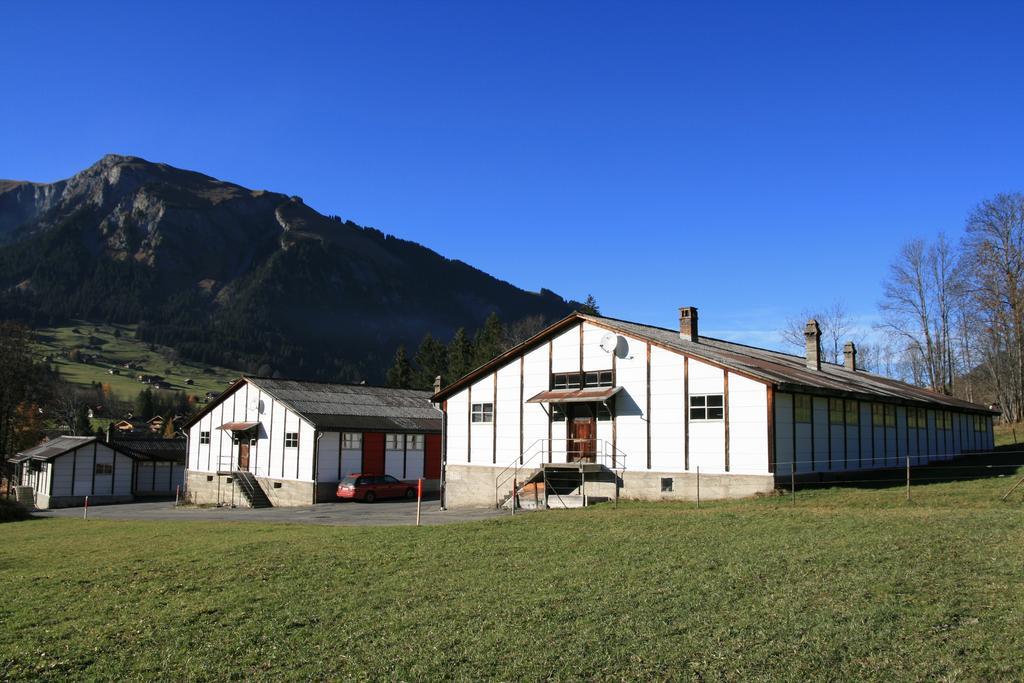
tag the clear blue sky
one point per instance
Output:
(750, 159)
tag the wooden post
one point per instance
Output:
(177, 494)
(792, 482)
(908, 478)
(419, 499)
(85, 515)
(698, 487)
(1014, 488)
(515, 484)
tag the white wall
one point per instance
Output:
(267, 457)
(748, 426)
(668, 452)
(81, 462)
(628, 433)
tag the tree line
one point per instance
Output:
(954, 308)
(951, 312)
(464, 353)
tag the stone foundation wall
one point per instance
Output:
(205, 488)
(473, 485)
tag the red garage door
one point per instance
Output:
(373, 453)
(432, 465)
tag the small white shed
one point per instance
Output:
(63, 471)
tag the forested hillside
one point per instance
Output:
(246, 279)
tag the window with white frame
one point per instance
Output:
(204, 437)
(707, 407)
(291, 439)
(414, 442)
(394, 442)
(352, 441)
(482, 412)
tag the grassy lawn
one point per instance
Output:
(846, 584)
(117, 344)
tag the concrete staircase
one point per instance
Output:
(251, 489)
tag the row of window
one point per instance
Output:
(582, 380)
(398, 442)
(848, 412)
(702, 407)
(350, 440)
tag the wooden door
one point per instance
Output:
(582, 440)
(243, 455)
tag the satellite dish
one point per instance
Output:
(609, 342)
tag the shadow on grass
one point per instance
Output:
(1003, 461)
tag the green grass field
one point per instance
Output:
(848, 584)
(101, 339)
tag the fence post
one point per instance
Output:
(792, 482)
(85, 515)
(698, 487)
(419, 499)
(908, 478)
(177, 494)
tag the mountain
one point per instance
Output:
(248, 279)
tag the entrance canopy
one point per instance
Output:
(238, 426)
(575, 395)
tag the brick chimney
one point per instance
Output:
(850, 356)
(812, 336)
(688, 323)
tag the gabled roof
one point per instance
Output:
(785, 372)
(329, 406)
(48, 450)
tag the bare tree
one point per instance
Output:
(521, 330)
(837, 328)
(920, 296)
(994, 252)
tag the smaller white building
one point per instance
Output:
(284, 442)
(63, 471)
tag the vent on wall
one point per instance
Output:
(666, 484)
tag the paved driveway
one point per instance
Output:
(335, 514)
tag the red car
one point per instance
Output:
(371, 487)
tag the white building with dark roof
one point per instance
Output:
(643, 409)
(286, 442)
(63, 471)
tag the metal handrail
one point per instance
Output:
(615, 457)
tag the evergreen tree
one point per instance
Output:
(400, 372)
(431, 360)
(590, 306)
(145, 406)
(460, 355)
(82, 426)
(489, 341)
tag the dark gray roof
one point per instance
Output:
(789, 372)
(48, 450)
(152, 448)
(784, 371)
(347, 406)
